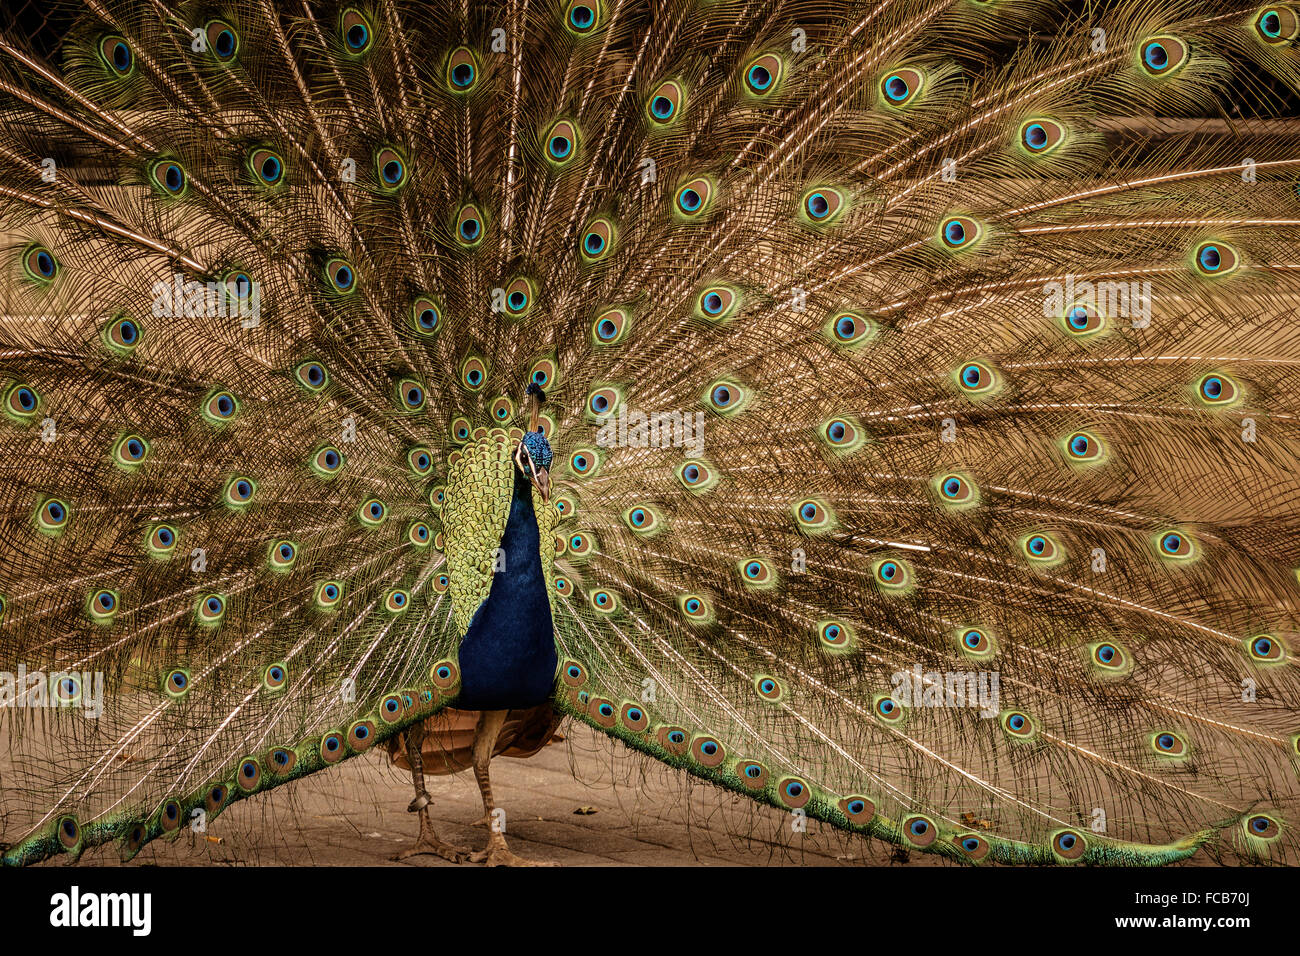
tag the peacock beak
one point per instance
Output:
(540, 477)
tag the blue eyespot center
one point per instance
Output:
(462, 74)
(1035, 136)
(1157, 57)
(662, 107)
(896, 88)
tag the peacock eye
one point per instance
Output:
(356, 32)
(598, 240)
(1265, 649)
(1017, 724)
(473, 375)
(763, 75)
(900, 87)
(956, 491)
(560, 142)
(718, 303)
(1277, 25)
(822, 205)
(1216, 259)
(116, 54)
(426, 314)
(222, 39)
(1041, 548)
(39, 264)
(267, 166)
(239, 491)
(340, 276)
(122, 335)
(959, 232)
(169, 176)
(372, 512)
(582, 16)
(726, 397)
(328, 594)
(1041, 135)
(1083, 447)
(391, 168)
(892, 574)
(210, 609)
(311, 376)
(835, 635)
(693, 198)
(665, 104)
(410, 395)
(519, 296)
(1163, 55)
(1177, 545)
(462, 70)
(469, 226)
(976, 378)
(162, 540)
(608, 328)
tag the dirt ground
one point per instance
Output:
(583, 802)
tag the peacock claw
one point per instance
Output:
(482, 821)
(419, 803)
(497, 854)
(435, 847)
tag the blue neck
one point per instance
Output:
(507, 658)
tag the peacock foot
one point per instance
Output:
(428, 843)
(482, 821)
(498, 854)
(435, 847)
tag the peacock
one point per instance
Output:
(884, 410)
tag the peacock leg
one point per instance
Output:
(485, 739)
(427, 841)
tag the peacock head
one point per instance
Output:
(533, 457)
